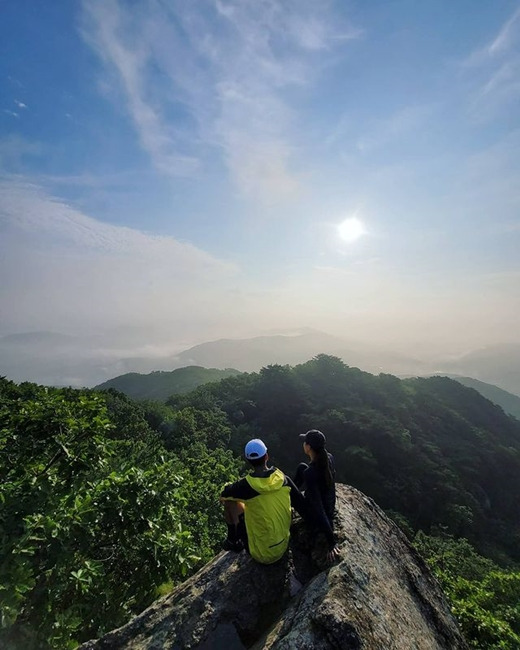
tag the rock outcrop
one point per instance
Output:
(379, 596)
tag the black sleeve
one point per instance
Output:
(316, 511)
(240, 490)
(297, 498)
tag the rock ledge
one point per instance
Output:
(380, 596)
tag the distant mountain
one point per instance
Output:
(290, 349)
(160, 385)
(507, 401)
(496, 364)
(254, 353)
(87, 360)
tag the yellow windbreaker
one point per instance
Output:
(267, 513)
(268, 517)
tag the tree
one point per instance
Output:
(485, 599)
(78, 520)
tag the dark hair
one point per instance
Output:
(322, 464)
(257, 462)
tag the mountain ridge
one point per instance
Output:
(161, 384)
(509, 402)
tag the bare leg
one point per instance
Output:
(232, 511)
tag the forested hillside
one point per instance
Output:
(431, 449)
(159, 385)
(105, 503)
(97, 515)
(509, 402)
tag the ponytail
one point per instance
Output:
(323, 465)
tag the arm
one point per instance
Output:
(297, 498)
(238, 491)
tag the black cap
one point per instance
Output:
(314, 438)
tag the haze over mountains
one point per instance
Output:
(57, 359)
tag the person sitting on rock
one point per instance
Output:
(318, 481)
(257, 508)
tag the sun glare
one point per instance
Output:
(351, 229)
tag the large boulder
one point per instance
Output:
(379, 596)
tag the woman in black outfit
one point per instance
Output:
(318, 481)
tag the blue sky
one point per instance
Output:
(181, 168)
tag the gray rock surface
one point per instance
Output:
(379, 596)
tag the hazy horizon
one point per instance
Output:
(173, 173)
(73, 360)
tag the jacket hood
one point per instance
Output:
(270, 483)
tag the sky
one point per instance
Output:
(184, 170)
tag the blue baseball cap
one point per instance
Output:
(255, 449)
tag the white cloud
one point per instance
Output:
(223, 69)
(25, 207)
(109, 32)
(61, 268)
(20, 104)
(494, 72)
(506, 36)
(498, 45)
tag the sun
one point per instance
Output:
(351, 229)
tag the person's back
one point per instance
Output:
(267, 516)
(263, 499)
(319, 493)
(318, 481)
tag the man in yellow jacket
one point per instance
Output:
(257, 508)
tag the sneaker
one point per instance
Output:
(236, 547)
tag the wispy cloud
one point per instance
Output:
(20, 104)
(110, 32)
(63, 269)
(26, 207)
(507, 36)
(216, 75)
(494, 70)
(503, 41)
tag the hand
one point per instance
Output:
(333, 555)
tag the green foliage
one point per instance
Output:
(159, 385)
(79, 562)
(509, 402)
(190, 426)
(485, 599)
(431, 449)
(95, 514)
(205, 472)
